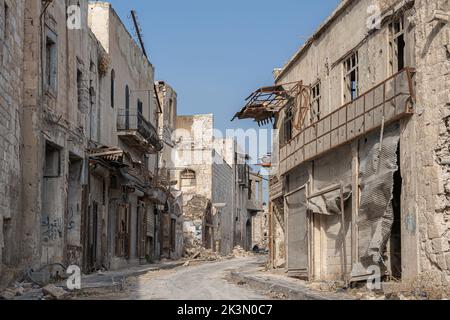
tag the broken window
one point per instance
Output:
(188, 178)
(397, 45)
(287, 124)
(113, 86)
(51, 61)
(315, 102)
(351, 78)
(52, 166)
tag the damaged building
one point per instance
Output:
(171, 219)
(80, 142)
(360, 171)
(206, 180)
(221, 194)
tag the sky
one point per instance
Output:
(215, 53)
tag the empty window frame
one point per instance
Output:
(315, 102)
(188, 178)
(351, 78)
(287, 124)
(52, 165)
(397, 45)
(51, 61)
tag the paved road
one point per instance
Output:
(201, 282)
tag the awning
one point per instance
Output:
(264, 103)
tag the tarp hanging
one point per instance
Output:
(375, 219)
(329, 203)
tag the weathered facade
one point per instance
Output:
(171, 224)
(361, 172)
(206, 180)
(11, 101)
(79, 174)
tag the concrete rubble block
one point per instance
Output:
(440, 245)
(55, 292)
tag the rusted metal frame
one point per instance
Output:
(363, 95)
(365, 111)
(397, 117)
(352, 119)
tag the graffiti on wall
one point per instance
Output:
(51, 228)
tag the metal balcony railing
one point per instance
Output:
(382, 104)
(133, 122)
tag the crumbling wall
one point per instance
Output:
(11, 89)
(195, 211)
(430, 133)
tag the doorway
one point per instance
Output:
(395, 240)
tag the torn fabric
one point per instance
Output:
(329, 203)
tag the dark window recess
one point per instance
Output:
(127, 107)
(52, 166)
(188, 178)
(79, 88)
(50, 61)
(113, 87)
(315, 102)
(287, 124)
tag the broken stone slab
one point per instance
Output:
(8, 294)
(55, 292)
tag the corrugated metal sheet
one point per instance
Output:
(378, 165)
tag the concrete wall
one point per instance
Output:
(427, 224)
(11, 93)
(129, 67)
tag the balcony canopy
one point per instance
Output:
(264, 103)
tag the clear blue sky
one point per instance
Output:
(215, 53)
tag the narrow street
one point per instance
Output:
(206, 281)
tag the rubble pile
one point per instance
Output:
(200, 253)
(239, 252)
(22, 291)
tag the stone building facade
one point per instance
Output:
(206, 181)
(171, 224)
(360, 180)
(11, 100)
(79, 140)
